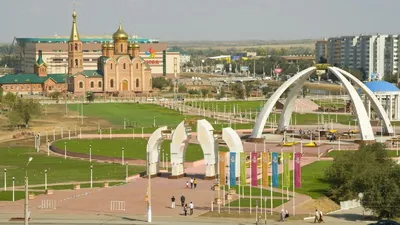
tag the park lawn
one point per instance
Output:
(336, 153)
(138, 130)
(70, 186)
(133, 148)
(327, 103)
(220, 106)
(58, 169)
(245, 202)
(134, 113)
(18, 195)
(256, 192)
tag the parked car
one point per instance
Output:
(385, 222)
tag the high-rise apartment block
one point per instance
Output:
(375, 55)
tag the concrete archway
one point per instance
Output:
(209, 145)
(179, 142)
(234, 143)
(361, 113)
(153, 150)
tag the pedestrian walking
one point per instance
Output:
(282, 215)
(320, 217)
(182, 200)
(187, 184)
(316, 217)
(191, 206)
(191, 183)
(173, 202)
(185, 210)
(195, 183)
(287, 214)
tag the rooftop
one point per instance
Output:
(381, 86)
(84, 39)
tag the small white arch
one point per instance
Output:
(234, 143)
(209, 145)
(153, 150)
(179, 142)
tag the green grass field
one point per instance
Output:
(133, 148)
(327, 103)
(312, 118)
(140, 114)
(256, 192)
(58, 169)
(336, 153)
(220, 106)
(245, 202)
(18, 195)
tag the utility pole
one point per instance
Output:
(254, 67)
(66, 88)
(176, 80)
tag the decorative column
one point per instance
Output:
(390, 107)
(398, 106)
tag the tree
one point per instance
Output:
(238, 90)
(204, 92)
(55, 95)
(248, 88)
(9, 100)
(160, 83)
(90, 96)
(182, 88)
(23, 111)
(369, 171)
(193, 92)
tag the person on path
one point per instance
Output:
(182, 200)
(191, 206)
(320, 217)
(185, 210)
(316, 217)
(191, 183)
(195, 183)
(187, 184)
(282, 214)
(173, 202)
(287, 214)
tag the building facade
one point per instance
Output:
(376, 55)
(321, 50)
(119, 69)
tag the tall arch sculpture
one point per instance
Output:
(209, 144)
(234, 143)
(153, 150)
(365, 128)
(179, 142)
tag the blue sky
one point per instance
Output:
(188, 20)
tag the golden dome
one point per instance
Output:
(120, 34)
(130, 45)
(135, 45)
(110, 45)
(104, 45)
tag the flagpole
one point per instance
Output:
(250, 179)
(283, 168)
(240, 173)
(294, 193)
(271, 184)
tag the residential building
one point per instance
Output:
(321, 50)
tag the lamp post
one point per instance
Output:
(26, 216)
(166, 157)
(65, 150)
(91, 176)
(149, 189)
(5, 179)
(45, 179)
(122, 156)
(13, 190)
(126, 172)
(90, 153)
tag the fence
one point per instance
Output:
(49, 204)
(350, 204)
(117, 206)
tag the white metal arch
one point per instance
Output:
(365, 128)
(153, 150)
(179, 142)
(376, 105)
(209, 145)
(234, 143)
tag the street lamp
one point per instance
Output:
(65, 150)
(91, 176)
(45, 179)
(13, 191)
(5, 179)
(26, 216)
(122, 156)
(90, 153)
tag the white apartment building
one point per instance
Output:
(372, 54)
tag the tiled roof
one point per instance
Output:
(30, 78)
(91, 73)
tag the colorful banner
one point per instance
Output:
(286, 172)
(265, 165)
(297, 170)
(275, 177)
(222, 164)
(243, 169)
(254, 174)
(232, 169)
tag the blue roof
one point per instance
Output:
(381, 86)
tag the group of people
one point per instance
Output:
(318, 216)
(184, 205)
(331, 137)
(192, 182)
(284, 214)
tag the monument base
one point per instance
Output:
(176, 176)
(365, 142)
(209, 178)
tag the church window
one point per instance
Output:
(99, 84)
(76, 62)
(150, 84)
(80, 84)
(122, 47)
(137, 65)
(81, 62)
(71, 61)
(111, 65)
(91, 84)
(76, 47)
(70, 47)
(137, 83)
(111, 83)
(124, 65)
